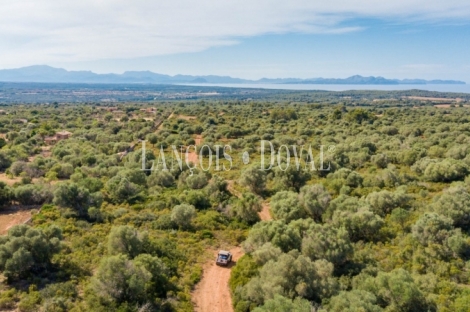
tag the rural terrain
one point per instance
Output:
(363, 204)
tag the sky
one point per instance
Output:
(250, 39)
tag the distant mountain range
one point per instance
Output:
(43, 73)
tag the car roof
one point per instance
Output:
(224, 252)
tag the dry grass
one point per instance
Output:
(184, 117)
(9, 181)
(12, 217)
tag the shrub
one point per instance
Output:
(182, 215)
(26, 249)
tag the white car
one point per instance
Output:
(223, 258)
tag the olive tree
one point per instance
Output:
(276, 232)
(120, 280)
(285, 205)
(26, 249)
(327, 242)
(246, 208)
(454, 203)
(384, 202)
(127, 240)
(314, 199)
(182, 215)
(295, 276)
(352, 301)
(5, 194)
(282, 304)
(254, 179)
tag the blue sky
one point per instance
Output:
(247, 39)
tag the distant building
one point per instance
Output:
(61, 135)
(50, 140)
(148, 110)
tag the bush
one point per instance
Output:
(254, 179)
(182, 215)
(5, 194)
(71, 195)
(447, 170)
(246, 208)
(33, 194)
(120, 280)
(127, 240)
(327, 242)
(352, 301)
(454, 203)
(282, 304)
(26, 249)
(314, 199)
(285, 205)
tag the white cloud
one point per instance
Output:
(45, 31)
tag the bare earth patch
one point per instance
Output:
(12, 217)
(185, 117)
(442, 106)
(9, 181)
(198, 139)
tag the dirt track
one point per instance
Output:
(212, 293)
(264, 214)
(12, 217)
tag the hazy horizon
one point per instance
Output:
(245, 39)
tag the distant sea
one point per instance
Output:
(340, 87)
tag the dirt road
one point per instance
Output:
(264, 214)
(212, 294)
(12, 217)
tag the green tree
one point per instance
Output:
(327, 242)
(127, 240)
(282, 304)
(396, 290)
(5, 194)
(314, 199)
(254, 179)
(26, 249)
(352, 301)
(454, 203)
(73, 196)
(246, 208)
(182, 215)
(285, 205)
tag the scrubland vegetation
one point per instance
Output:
(386, 228)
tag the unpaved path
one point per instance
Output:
(12, 217)
(192, 154)
(212, 293)
(264, 214)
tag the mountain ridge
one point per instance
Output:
(48, 74)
